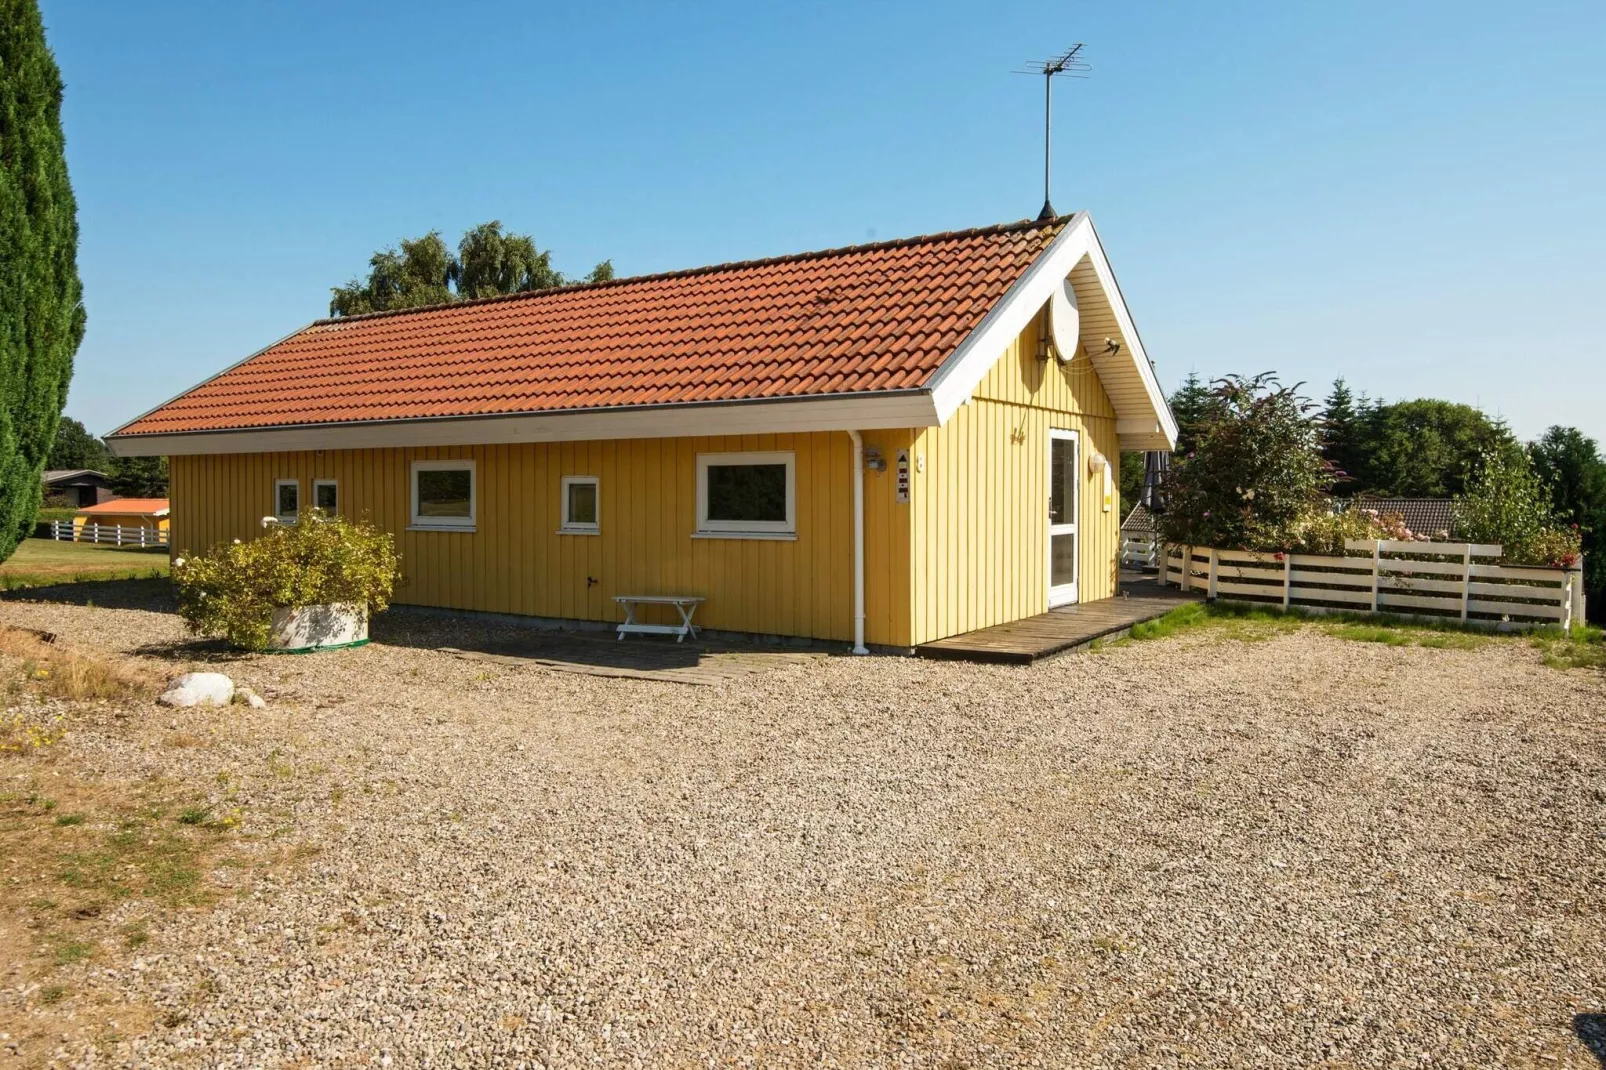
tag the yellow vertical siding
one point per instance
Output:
(517, 562)
(968, 550)
(979, 509)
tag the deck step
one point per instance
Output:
(1030, 639)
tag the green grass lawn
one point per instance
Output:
(1584, 646)
(39, 562)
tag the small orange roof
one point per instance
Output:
(866, 318)
(129, 506)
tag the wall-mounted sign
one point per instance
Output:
(903, 477)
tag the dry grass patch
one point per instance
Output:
(85, 869)
(44, 667)
(87, 865)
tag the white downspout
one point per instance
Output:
(858, 544)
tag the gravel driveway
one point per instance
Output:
(1189, 852)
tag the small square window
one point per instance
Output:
(326, 496)
(747, 495)
(286, 500)
(580, 506)
(443, 495)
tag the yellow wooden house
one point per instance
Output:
(882, 445)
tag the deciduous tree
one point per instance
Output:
(489, 262)
(75, 447)
(1426, 448)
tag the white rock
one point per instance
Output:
(199, 689)
(250, 698)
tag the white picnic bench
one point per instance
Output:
(686, 605)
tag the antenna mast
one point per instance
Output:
(1071, 63)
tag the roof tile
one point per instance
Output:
(863, 318)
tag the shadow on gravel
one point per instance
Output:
(153, 595)
(410, 626)
(208, 650)
(1591, 1030)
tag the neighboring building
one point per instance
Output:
(1424, 516)
(130, 513)
(72, 488)
(699, 432)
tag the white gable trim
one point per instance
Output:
(957, 379)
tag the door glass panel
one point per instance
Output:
(1060, 458)
(1062, 559)
(1062, 481)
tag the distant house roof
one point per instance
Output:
(1424, 516)
(898, 330)
(56, 476)
(130, 506)
(1138, 520)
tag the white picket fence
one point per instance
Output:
(1139, 550)
(1438, 580)
(108, 534)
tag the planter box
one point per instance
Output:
(304, 629)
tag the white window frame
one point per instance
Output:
(335, 483)
(444, 523)
(747, 529)
(573, 527)
(286, 518)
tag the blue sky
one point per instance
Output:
(1406, 194)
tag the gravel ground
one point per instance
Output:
(1190, 852)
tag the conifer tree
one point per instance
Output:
(41, 299)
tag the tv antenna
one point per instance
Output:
(1070, 63)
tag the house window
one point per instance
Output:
(443, 495)
(326, 496)
(747, 495)
(286, 500)
(580, 506)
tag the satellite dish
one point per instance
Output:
(1064, 322)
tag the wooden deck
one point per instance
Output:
(1022, 642)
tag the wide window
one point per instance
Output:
(443, 495)
(326, 496)
(286, 500)
(580, 506)
(746, 494)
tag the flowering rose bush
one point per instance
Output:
(233, 590)
(1325, 532)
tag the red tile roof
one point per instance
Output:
(865, 318)
(130, 506)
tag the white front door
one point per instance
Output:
(1064, 505)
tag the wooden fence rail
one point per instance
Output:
(1139, 550)
(1437, 580)
(107, 534)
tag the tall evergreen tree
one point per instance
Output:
(1343, 436)
(139, 477)
(41, 299)
(1192, 405)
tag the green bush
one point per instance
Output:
(1255, 472)
(232, 590)
(1507, 503)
